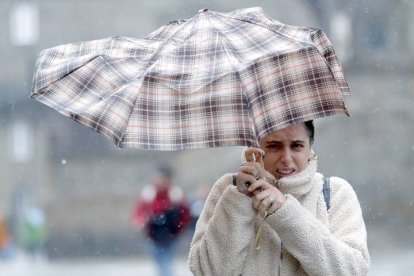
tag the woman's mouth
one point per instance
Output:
(285, 172)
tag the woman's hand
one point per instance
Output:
(248, 173)
(251, 170)
(267, 199)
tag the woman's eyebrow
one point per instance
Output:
(273, 142)
(298, 141)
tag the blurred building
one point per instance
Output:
(87, 186)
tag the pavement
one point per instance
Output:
(384, 263)
(24, 266)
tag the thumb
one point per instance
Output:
(253, 155)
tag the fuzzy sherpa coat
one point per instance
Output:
(301, 238)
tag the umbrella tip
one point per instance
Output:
(202, 10)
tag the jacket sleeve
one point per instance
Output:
(340, 249)
(223, 232)
(141, 214)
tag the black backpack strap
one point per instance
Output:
(326, 191)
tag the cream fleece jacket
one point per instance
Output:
(301, 238)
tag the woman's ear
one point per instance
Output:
(312, 155)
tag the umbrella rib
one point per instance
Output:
(152, 61)
(69, 112)
(227, 43)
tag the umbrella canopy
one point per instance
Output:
(217, 79)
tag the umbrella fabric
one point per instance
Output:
(217, 79)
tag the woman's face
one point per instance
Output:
(287, 151)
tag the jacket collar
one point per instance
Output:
(298, 184)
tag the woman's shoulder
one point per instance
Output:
(341, 188)
(337, 185)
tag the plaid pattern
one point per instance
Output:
(217, 79)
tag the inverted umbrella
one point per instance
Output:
(217, 79)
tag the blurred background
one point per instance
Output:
(67, 194)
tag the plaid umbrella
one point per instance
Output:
(217, 79)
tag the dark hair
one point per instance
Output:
(165, 170)
(311, 130)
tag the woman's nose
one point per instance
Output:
(286, 157)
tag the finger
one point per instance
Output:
(259, 197)
(273, 208)
(242, 189)
(259, 184)
(265, 206)
(254, 154)
(250, 169)
(243, 181)
(249, 154)
(262, 211)
(279, 200)
(259, 156)
(253, 168)
(243, 178)
(249, 163)
(253, 150)
(256, 185)
(260, 171)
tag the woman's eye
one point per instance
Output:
(273, 146)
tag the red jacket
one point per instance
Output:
(155, 202)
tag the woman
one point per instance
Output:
(280, 224)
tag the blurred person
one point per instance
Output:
(6, 249)
(278, 216)
(32, 232)
(163, 214)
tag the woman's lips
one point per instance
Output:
(285, 172)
